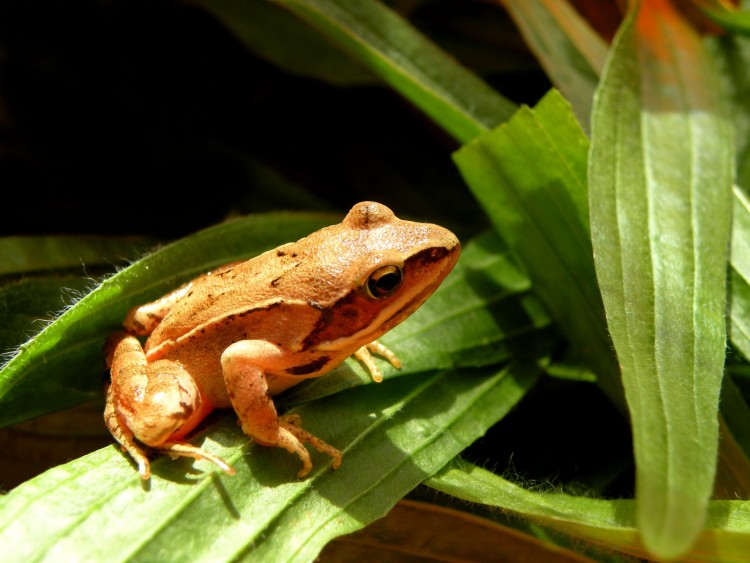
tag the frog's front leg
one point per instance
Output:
(243, 364)
(153, 404)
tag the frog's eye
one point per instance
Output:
(384, 282)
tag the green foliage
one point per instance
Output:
(617, 267)
(660, 189)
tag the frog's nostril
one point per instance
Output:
(438, 252)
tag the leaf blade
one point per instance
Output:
(569, 50)
(660, 208)
(392, 49)
(607, 523)
(412, 426)
(530, 175)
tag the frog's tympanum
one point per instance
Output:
(239, 335)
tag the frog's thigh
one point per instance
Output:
(156, 401)
(243, 363)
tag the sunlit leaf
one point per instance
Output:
(392, 435)
(607, 523)
(726, 15)
(660, 185)
(739, 305)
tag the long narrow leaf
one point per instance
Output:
(739, 306)
(726, 15)
(608, 523)
(391, 48)
(659, 183)
(530, 176)
(393, 436)
(265, 29)
(22, 255)
(569, 50)
(27, 305)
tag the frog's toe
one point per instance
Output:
(293, 419)
(301, 437)
(183, 449)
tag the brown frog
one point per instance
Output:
(239, 335)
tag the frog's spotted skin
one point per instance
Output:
(241, 334)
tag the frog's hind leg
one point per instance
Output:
(154, 404)
(124, 436)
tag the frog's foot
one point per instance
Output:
(125, 437)
(183, 449)
(292, 437)
(364, 355)
(292, 423)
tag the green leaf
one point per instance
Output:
(569, 50)
(739, 305)
(35, 254)
(393, 436)
(607, 523)
(735, 418)
(732, 53)
(530, 176)
(63, 365)
(726, 15)
(660, 184)
(391, 48)
(265, 29)
(733, 478)
(29, 304)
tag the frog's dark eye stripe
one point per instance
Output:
(384, 282)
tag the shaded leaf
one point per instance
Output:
(29, 304)
(35, 254)
(433, 533)
(265, 29)
(569, 50)
(530, 176)
(391, 48)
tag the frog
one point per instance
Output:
(241, 334)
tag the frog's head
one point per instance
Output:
(382, 269)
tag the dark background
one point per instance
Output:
(134, 117)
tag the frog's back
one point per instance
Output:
(242, 294)
(316, 289)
